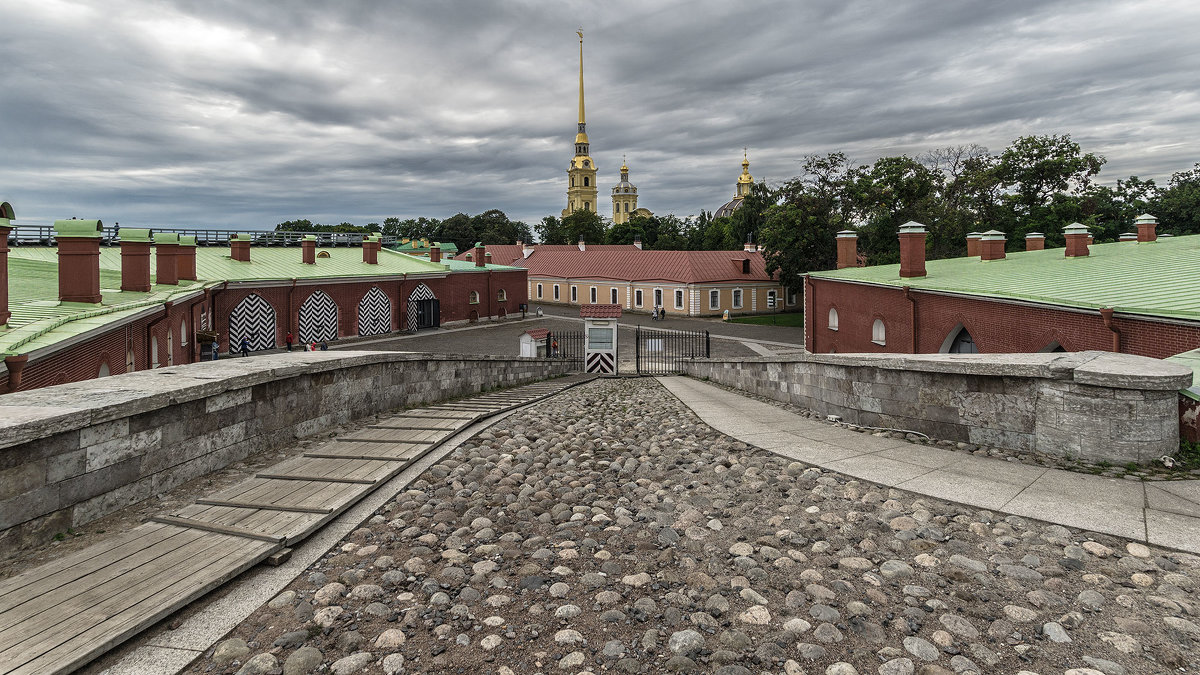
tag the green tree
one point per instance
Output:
(1178, 205)
(457, 229)
(585, 225)
(550, 231)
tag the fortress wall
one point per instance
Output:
(1089, 405)
(74, 452)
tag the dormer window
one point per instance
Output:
(745, 266)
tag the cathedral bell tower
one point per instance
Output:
(581, 174)
(624, 197)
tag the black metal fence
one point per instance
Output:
(43, 235)
(567, 345)
(661, 352)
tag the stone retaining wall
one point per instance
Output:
(1090, 405)
(74, 452)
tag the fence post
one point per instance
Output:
(637, 349)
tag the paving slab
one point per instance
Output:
(1165, 513)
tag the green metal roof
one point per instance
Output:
(1159, 278)
(423, 246)
(39, 320)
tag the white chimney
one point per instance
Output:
(582, 246)
(637, 242)
(526, 250)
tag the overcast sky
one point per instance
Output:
(230, 113)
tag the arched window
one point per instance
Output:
(833, 319)
(539, 290)
(963, 343)
(626, 207)
(182, 333)
(613, 294)
(587, 206)
(878, 332)
(501, 296)
(586, 181)
(104, 371)
(474, 300)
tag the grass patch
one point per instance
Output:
(793, 319)
(1189, 455)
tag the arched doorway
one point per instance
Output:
(253, 319)
(374, 313)
(424, 310)
(318, 318)
(960, 341)
(1053, 347)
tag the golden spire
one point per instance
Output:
(581, 119)
(624, 168)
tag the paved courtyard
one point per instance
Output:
(609, 529)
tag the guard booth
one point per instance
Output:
(535, 343)
(600, 330)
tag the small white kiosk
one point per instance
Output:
(533, 343)
(600, 336)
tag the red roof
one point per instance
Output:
(638, 265)
(537, 333)
(600, 312)
(507, 254)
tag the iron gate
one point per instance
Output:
(570, 346)
(661, 352)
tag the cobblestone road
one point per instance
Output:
(609, 530)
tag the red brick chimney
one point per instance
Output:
(991, 245)
(435, 253)
(480, 261)
(1035, 241)
(912, 249)
(166, 250)
(185, 258)
(1147, 226)
(1077, 240)
(135, 260)
(973, 244)
(78, 259)
(239, 247)
(308, 249)
(6, 216)
(847, 249)
(371, 250)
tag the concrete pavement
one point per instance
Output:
(1164, 513)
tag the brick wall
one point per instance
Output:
(72, 453)
(1094, 405)
(997, 327)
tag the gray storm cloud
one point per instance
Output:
(240, 114)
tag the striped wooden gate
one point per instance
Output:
(254, 319)
(318, 318)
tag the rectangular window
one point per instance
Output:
(539, 290)
(593, 294)
(600, 338)
(791, 297)
(574, 294)
(637, 298)
(714, 299)
(556, 291)
(771, 303)
(678, 299)
(658, 297)
(614, 296)
(737, 298)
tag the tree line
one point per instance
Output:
(1036, 184)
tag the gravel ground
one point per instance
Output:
(610, 530)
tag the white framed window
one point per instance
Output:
(474, 298)
(613, 293)
(792, 297)
(878, 332)
(501, 295)
(737, 298)
(637, 298)
(539, 290)
(678, 299)
(593, 295)
(574, 294)
(714, 299)
(556, 291)
(771, 299)
(658, 298)
(833, 319)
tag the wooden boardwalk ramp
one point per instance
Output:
(60, 616)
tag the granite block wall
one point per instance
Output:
(75, 452)
(1091, 405)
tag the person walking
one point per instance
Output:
(290, 339)
(245, 347)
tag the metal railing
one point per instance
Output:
(43, 235)
(662, 352)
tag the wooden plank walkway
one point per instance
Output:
(60, 616)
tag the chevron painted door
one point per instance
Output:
(374, 313)
(254, 319)
(318, 318)
(421, 312)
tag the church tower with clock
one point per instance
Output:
(581, 175)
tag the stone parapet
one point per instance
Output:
(1090, 405)
(75, 452)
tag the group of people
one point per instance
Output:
(244, 345)
(658, 313)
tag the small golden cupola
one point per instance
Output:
(744, 183)
(624, 197)
(581, 174)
